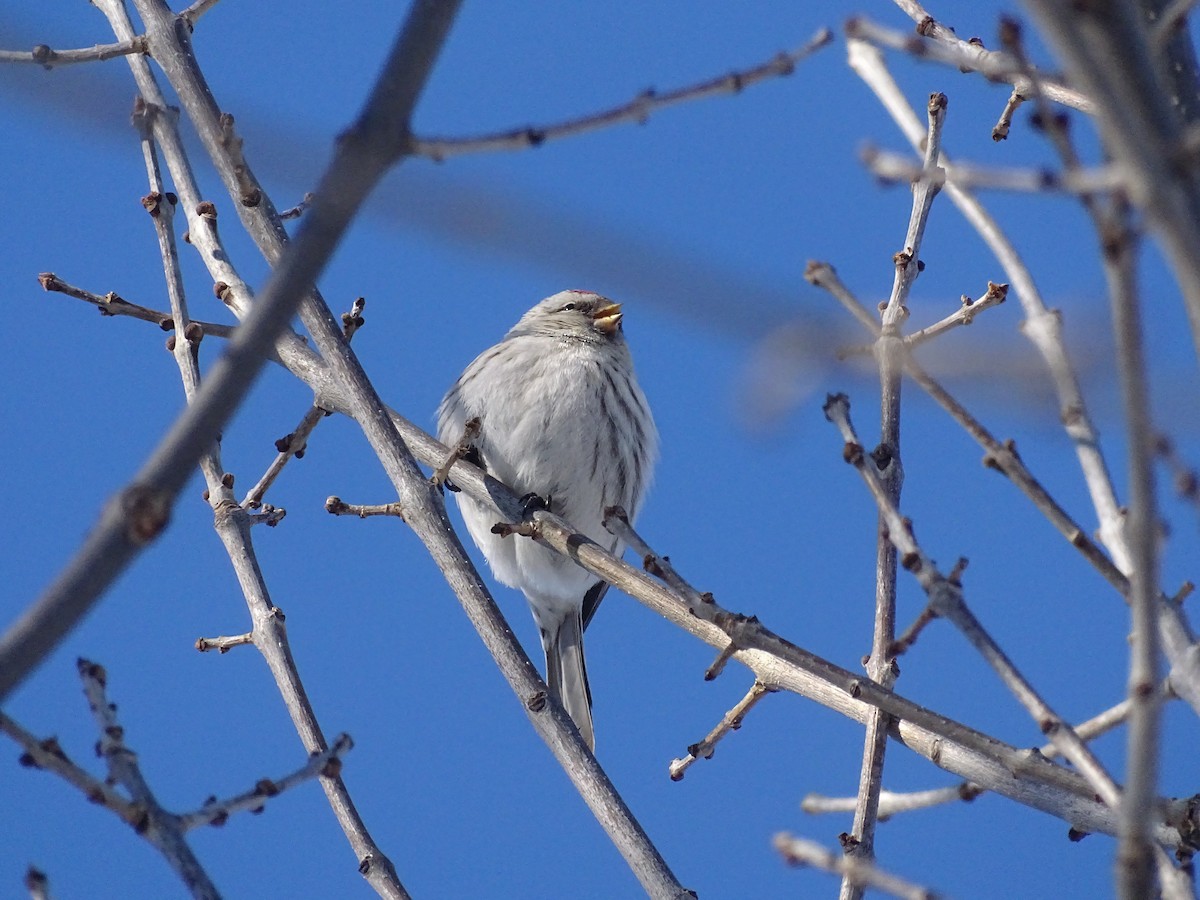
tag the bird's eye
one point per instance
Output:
(568, 306)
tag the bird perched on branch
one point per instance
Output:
(561, 418)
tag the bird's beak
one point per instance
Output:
(608, 317)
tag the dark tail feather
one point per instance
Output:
(566, 674)
(591, 601)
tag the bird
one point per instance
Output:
(563, 422)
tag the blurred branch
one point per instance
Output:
(1172, 19)
(1117, 241)
(1135, 877)
(1105, 48)
(964, 315)
(897, 168)
(134, 518)
(637, 110)
(859, 872)
(938, 43)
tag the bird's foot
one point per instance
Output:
(532, 502)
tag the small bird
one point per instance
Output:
(561, 418)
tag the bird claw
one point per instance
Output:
(531, 503)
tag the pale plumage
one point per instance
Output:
(561, 417)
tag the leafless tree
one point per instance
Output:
(1127, 68)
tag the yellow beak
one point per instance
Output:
(608, 318)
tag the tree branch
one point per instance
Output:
(637, 110)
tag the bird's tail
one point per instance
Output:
(566, 673)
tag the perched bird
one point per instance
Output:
(561, 417)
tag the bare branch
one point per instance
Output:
(937, 43)
(192, 14)
(1106, 50)
(964, 315)
(139, 513)
(896, 167)
(47, 754)
(112, 304)
(48, 58)
(336, 506)
(731, 721)
(1044, 328)
(159, 827)
(861, 873)
(946, 599)
(224, 644)
(326, 764)
(637, 110)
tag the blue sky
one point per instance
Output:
(701, 222)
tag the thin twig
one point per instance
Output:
(159, 827)
(112, 304)
(946, 600)
(1004, 124)
(195, 11)
(48, 58)
(939, 44)
(895, 168)
(225, 643)
(860, 872)
(325, 764)
(295, 212)
(964, 315)
(891, 803)
(637, 110)
(460, 450)
(889, 352)
(48, 755)
(336, 506)
(895, 802)
(731, 721)
(295, 442)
